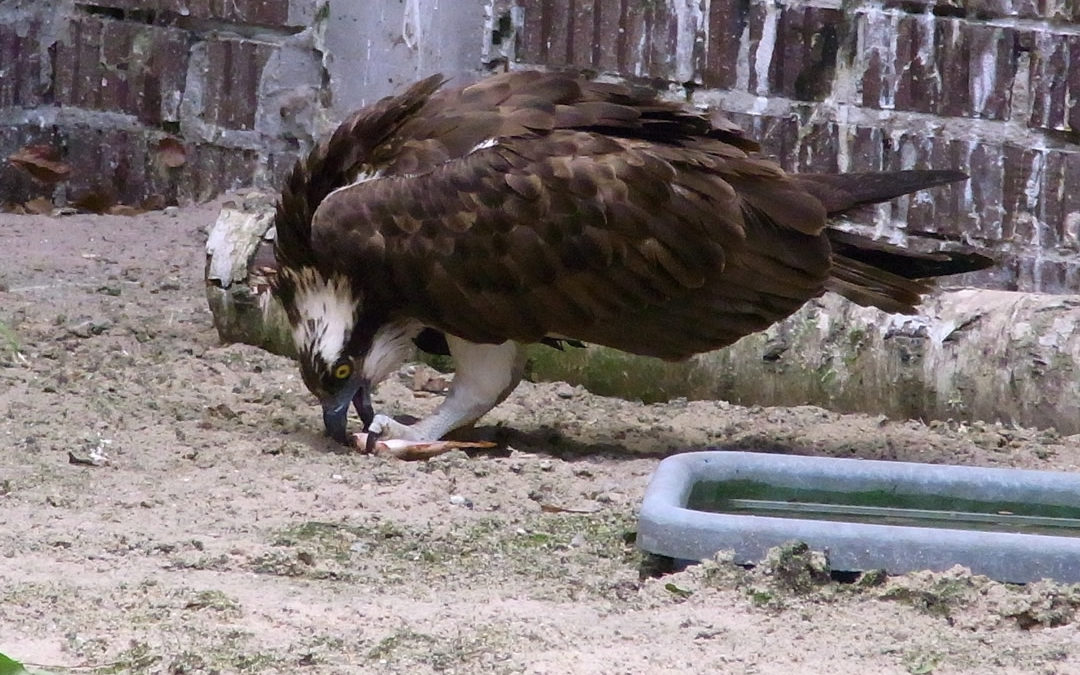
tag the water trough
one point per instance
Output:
(1009, 524)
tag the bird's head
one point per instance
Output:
(323, 314)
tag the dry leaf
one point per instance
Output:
(172, 152)
(39, 206)
(154, 203)
(124, 210)
(97, 199)
(12, 207)
(42, 162)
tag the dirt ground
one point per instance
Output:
(222, 533)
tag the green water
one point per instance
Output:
(884, 507)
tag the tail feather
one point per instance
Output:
(875, 273)
(904, 262)
(845, 191)
(869, 286)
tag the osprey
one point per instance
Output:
(540, 206)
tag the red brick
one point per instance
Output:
(582, 42)
(15, 184)
(818, 148)
(953, 60)
(1073, 79)
(1068, 220)
(232, 84)
(1049, 68)
(120, 66)
(778, 136)
(212, 169)
(804, 62)
(608, 15)
(261, 12)
(76, 64)
(865, 149)
(20, 65)
(662, 33)
(756, 18)
(873, 82)
(727, 21)
(631, 44)
(556, 37)
(532, 47)
(903, 95)
(991, 85)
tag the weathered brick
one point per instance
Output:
(982, 10)
(1068, 220)
(20, 65)
(904, 95)
(662, 31)
(941, 211)
(532, 42)
(231, 89)
(1072, 81)
(818, 148)
(1046, 276)
(727, 21)
(557, 23)
(865, 149)
(986, 167)
(872, 85)
(952, 54)
(260, 12)
(212, 169)
(991, 70)
(76, 64)
(15, 184)
(609, 17)
(1049, 70)
(760, 52)
(778, 135)
(582, 41)
(120, 66)
(804, 60)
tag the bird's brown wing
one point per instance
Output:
(640, 246)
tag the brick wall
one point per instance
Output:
(989, 86)
(105, 83)
(244, 85)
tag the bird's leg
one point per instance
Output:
(484, 375)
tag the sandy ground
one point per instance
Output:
(223, 534)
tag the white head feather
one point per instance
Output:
(327, 311)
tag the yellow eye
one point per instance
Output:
(342, 371)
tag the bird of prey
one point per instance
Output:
(540, 206)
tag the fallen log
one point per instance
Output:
(970, 354)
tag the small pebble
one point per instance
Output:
(546, 465)
(459, 500)
(172, 211)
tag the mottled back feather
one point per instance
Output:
(533, 205)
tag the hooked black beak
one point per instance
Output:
(336, 409)
(362, 403)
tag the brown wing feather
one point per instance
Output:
(534, 204)
(574, 234)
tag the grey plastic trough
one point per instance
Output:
(667, 527)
